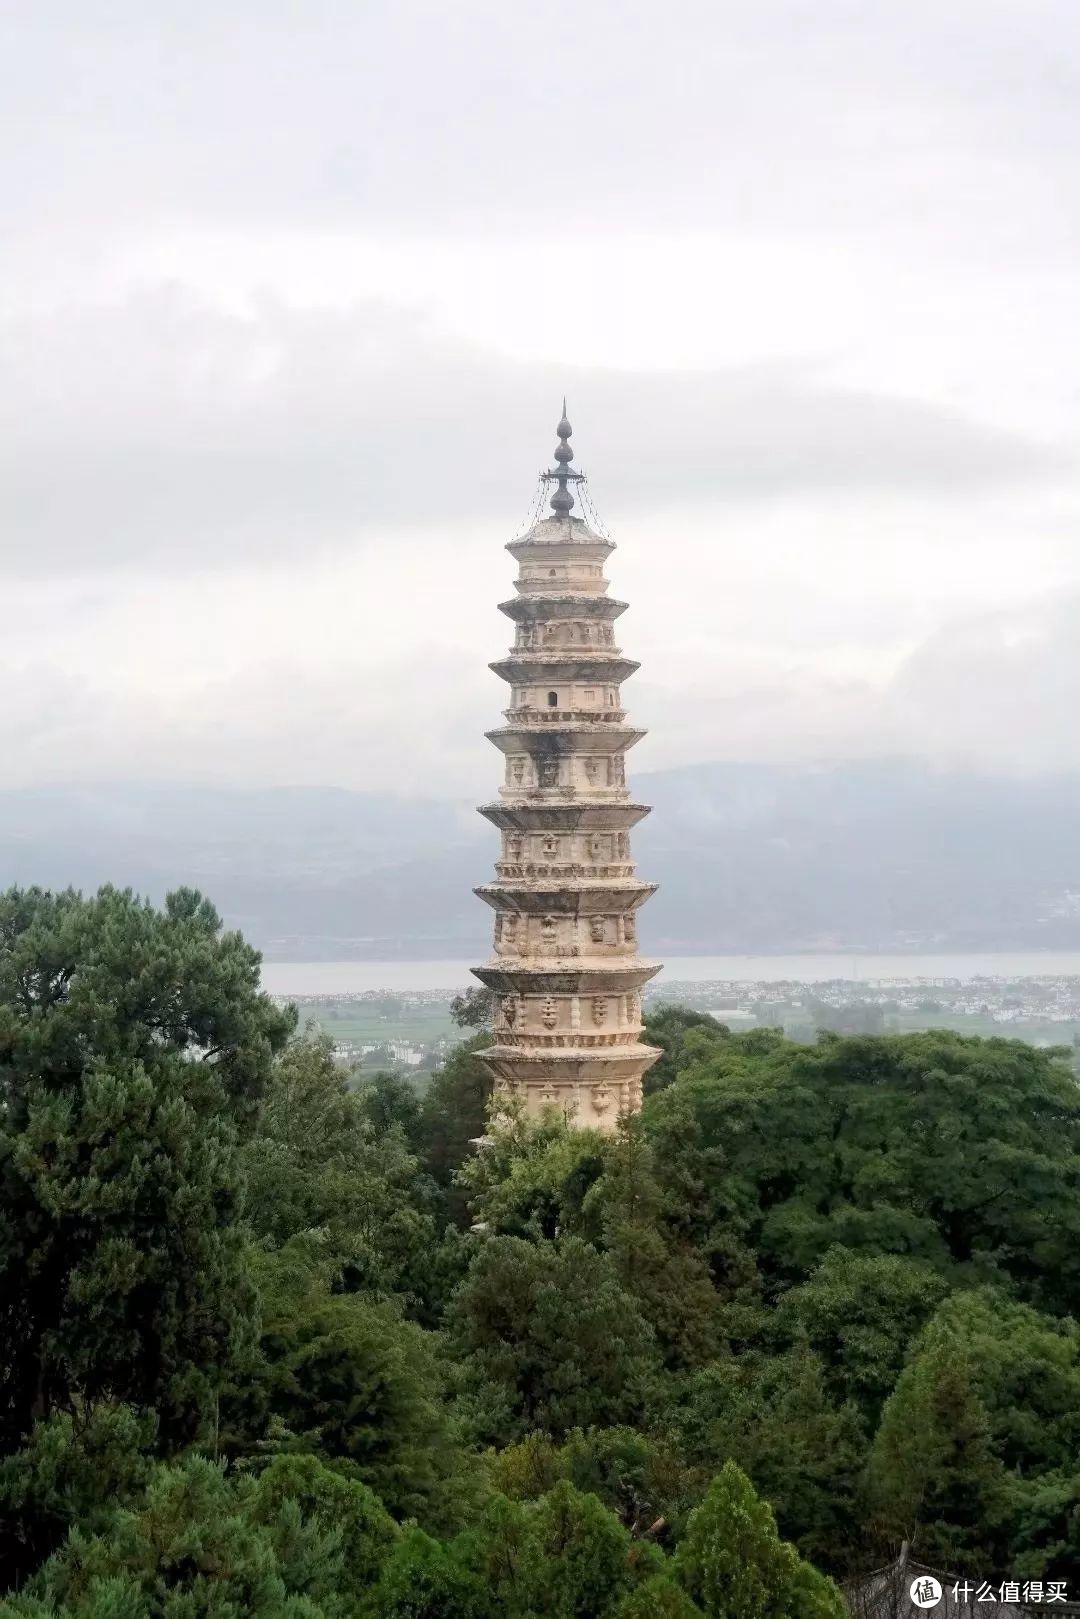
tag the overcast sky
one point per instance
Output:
(290, 294)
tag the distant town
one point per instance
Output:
(1043, 1011)
(411, 1031)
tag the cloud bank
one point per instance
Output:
(289, 301)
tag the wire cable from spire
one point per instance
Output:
(536, 506)
(592, 516)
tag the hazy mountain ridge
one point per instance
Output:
(880, 856)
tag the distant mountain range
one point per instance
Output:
(882, 856)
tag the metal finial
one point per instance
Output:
(562, 501)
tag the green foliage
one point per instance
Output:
(389, 1101)
(976, 1449)
(772, 1415)
(528, 1468)
(835, 1283)
(549, 1339)
(961, 1153)
(658, 1598)
(473, 1010)
(424, 1579)
(859, 1312)
(682, 1036)
(503, 1552)
(1043, 1516)
(202, 1545)
(332, 1499)
(932, 1464)
(585, 1550)
(1026, 1367)
(345, 1377)
(562, 1556)
(68, 1473)
(539, 1179)
(733, 1562)
(134, 1050)
(347, 1225)
(641, 1477)
(671, 1282)
(318, 1163)
(535, 1179)
(455, 1115)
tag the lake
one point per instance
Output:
(301, 978)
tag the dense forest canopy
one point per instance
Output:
(280, 1343)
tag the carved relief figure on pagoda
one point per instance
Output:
(565, 968)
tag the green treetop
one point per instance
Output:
(135, 1046)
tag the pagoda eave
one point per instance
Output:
(563, 977)
(566, 529)
(564, 815)
(541, 796)
(548, 742)
(598, 1064)
(582, 898)
(531, 609)
(551, 546)
(547, 669)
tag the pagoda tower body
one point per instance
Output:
(566, 972)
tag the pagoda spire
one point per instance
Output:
(562, 501)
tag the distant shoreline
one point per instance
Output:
(326, 978)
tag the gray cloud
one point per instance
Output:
(1000, 689)
(996, 692)
(399, 110)
(158, 432)
(806, 271)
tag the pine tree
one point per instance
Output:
(134, 1049)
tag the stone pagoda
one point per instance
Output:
(566, 972)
